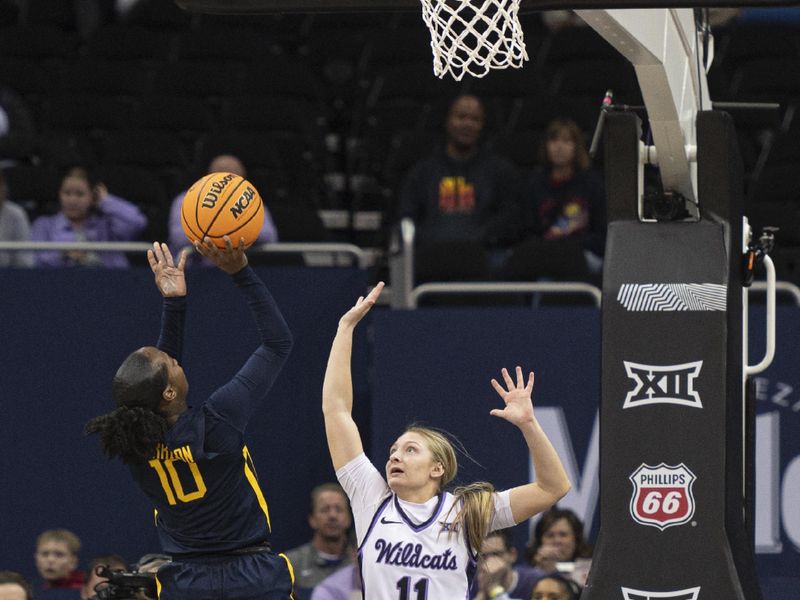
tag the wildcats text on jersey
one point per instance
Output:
(408, 554)
(419, 552)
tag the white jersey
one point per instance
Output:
(407, 551)
(401, 560)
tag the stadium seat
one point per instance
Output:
(84, 113)
(131, 42)
(37, 40)
(107, 78)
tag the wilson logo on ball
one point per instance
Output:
(221, 204)
(662, 495)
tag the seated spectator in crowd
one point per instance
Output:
(344, 584)
(555, 587)
(327, 552)
(14, 227)
(557, 538)
(496, 572)
(564, 198)
(14, 586)
(17, 129)
(89, 213)
(224, 163)
(57, 562)
(95, 582)
(462, 192)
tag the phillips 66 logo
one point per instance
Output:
(662, 495)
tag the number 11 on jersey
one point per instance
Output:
(420, 587)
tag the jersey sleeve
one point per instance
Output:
(235, 401)
(502, 517)
(366, 488)
(173, 315)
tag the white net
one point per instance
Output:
(474, 36)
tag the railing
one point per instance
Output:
(784, 287)
(359, 256)
(533, 287)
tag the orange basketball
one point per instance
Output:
(222, 204)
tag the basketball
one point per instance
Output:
(221, 204)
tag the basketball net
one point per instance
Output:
(474, 36)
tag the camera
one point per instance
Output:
(126, 586)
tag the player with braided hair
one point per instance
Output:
(191, 462)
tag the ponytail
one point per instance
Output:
(474, 516)
(129, 433)
(132, 431)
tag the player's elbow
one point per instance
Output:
(283, 346)
(566, 486)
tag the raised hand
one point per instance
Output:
(517, 397)
(230, 259)
(170, 280)
(361, 307)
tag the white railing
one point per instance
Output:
(533, 287)
(784, 287)
(359, 256)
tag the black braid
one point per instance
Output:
(129, 433)
(132, 431)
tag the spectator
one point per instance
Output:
(13, 586)
(555, 587)
(497, 573)
(14, 227)
(558, 537)
(16, 127)
(564, 198)
(327, 551)
(225, 163)
(88, 214)
(344, 584)
(462, 192)
(57, 561)
(95, 582)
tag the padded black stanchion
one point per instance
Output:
(669, 384)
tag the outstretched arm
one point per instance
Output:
(344, 441)
(236, 400)
(171, 282)
(551, 482)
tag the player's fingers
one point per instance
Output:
(167, 254)
(228, 243)
(151, 258)
(212, 249)
(498, 388)
(507, 379)
(182, 259)
(529, 386)
(520, 378)
(241, 244)
(376, 291)
(496, 412)
(157, 251)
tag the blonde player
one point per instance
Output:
(416, 540)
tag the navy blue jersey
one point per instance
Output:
(201, 480)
